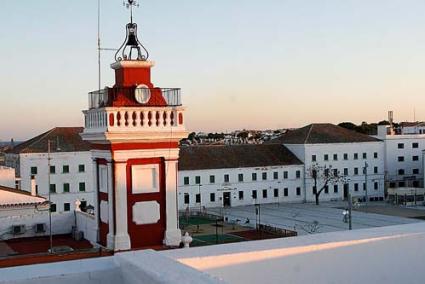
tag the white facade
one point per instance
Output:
(236, 186)
(71, 177)
(349, 159)
(7, 177)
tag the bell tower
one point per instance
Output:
(135, 129)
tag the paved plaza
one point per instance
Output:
(310, 218)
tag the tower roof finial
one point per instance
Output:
(131, 39)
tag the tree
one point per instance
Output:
(326, 176)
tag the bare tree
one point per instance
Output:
(326, 176)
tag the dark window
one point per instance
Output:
(186, 198)
(81, 168)
(198, 198)
(326, 172)
(375, 155)
(254, 194)
(345, 171)
(415, 145)
(335, 188)
(66, 207)
(356, 171)
(356, 187)
(415, 183)
(400, 145)
(401, 159)
(415, 171)
(392, 184)
(264, 193)
(364, 156)
(264, 176)
(52, 207)
(298, 174)
(401, 172)
(254, 176)
(298, 191)
(226, 178)
(346, 187)
(335, 157)
(327, 189)
(52, 169)
(275, 175)
(197, 180)
(376, 185)
(401, 184)
(82, 186)
(52, 188)
(415, 158)
(285, 174)
(33, 170)
(345, 156)
(326, 157)
(335, 172)
(65, 169)
(364, 186)
(186, 180)
(375, 170)
(313, 158)
(240, 195)
(212, 179)
(285, 191)
(212, 197)
(83, 206)
(240, 177)
(356, 156)
(276, 192)
(66, 187)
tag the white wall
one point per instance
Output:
(7, 177)
(234, 186)
(88, 225)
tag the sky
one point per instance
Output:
(241, 64)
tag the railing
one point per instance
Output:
(125, 96)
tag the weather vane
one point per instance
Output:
(129, 5)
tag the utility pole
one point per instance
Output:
(365, 180)
(350, 207)
(50, 203)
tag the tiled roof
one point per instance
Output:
(322, 133)
(13, 197)
(63, 139)
(234, 156)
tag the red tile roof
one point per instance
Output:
(63, 139)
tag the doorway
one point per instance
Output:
(227, 201)
(346, 190)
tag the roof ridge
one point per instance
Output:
(308, 134)
(39, 138)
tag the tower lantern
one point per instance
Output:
(135, 129)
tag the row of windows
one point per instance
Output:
(414, 183)
(66, 187)
(335, 157)
(415, 145)
(414, 158)
(65, 169)
(66, 206)
(402, 172)
(241, 195)
(241, 177)
(346, 187)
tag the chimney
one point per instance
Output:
(33, 186)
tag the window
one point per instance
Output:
(335, 188)
(345, 156)
(415, 183)
(52, 170)
(401, 172)
(275, 175)
(298, 174)
(52, 188)
(240, 177)
(376, 185)
(298, 191)
(66, 187)
(400, 159)
(82, 186)
(415, 158)
(226, 178)
(356, 171)
(415, 145)
(241, 195)
(401, 184)
(326, 157)
(186, 180)
(264, 176)
(52, 207)
(335, 172)
(375, 170)
(81, 168)
(375, 155)
(415, 171)
(364, 186)
(346, 187)
(212, 179)
(285, 191)
(327, 189)
(254, 194)
(400, 146)
(335, 157)
(356, 156)
(392, 184)
(33, 170)
(66, 207)
(65, 169)
(198, 198)
(313, 158)
(212, 197)
(345, 171)
(364, 156)
(197, 180)
(285, 174)
(186, 198)
(356, 187)
(254, 176)
(264, 193)
(276, 192)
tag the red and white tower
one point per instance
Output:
(135, 129)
